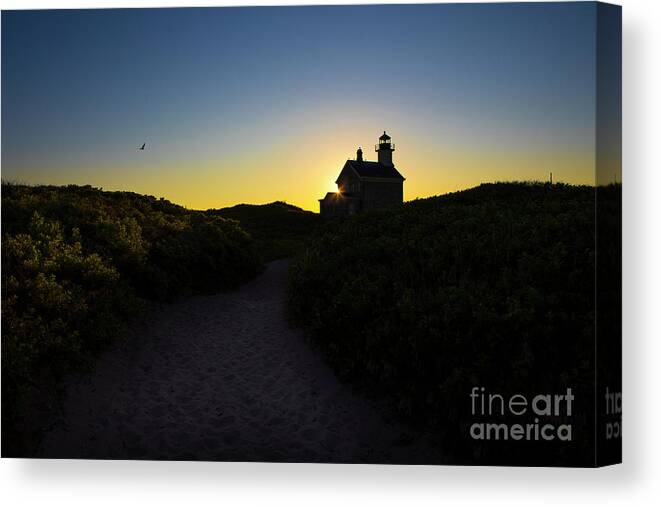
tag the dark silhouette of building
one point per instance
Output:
(364, 185)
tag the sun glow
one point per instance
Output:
(218, 135)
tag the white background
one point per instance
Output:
(636, 482)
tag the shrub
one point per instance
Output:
(279, 229)
(79, 263)
(492, 286)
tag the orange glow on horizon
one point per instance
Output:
(301, 171)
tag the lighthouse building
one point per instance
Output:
(363, 185)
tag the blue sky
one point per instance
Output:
(280, 97)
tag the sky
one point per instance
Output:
(252, 105)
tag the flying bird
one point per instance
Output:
(142, 147)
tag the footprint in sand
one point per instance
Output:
(223, 378)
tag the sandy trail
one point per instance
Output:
(223, 377)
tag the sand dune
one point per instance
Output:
(223, 377)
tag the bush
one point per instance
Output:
(492, 286)
(79, 263)
(279, 229)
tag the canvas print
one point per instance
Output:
(383, 234)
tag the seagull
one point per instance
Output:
(142, 147)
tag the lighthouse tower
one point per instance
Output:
(384, 149)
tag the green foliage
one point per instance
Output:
(57, 301)
(78, 263)
(492, 286)
(279, 229)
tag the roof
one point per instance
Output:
(338, 195)
(328, 194)
(384, 137)
(366, 169)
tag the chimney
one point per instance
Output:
(359, 154)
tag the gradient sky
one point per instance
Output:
(262, 104)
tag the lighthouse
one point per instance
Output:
(363, 185)
(384, 149)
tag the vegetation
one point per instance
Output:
(78, 263)
(279, 229)
(492, 286)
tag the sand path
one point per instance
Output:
(223, 377)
